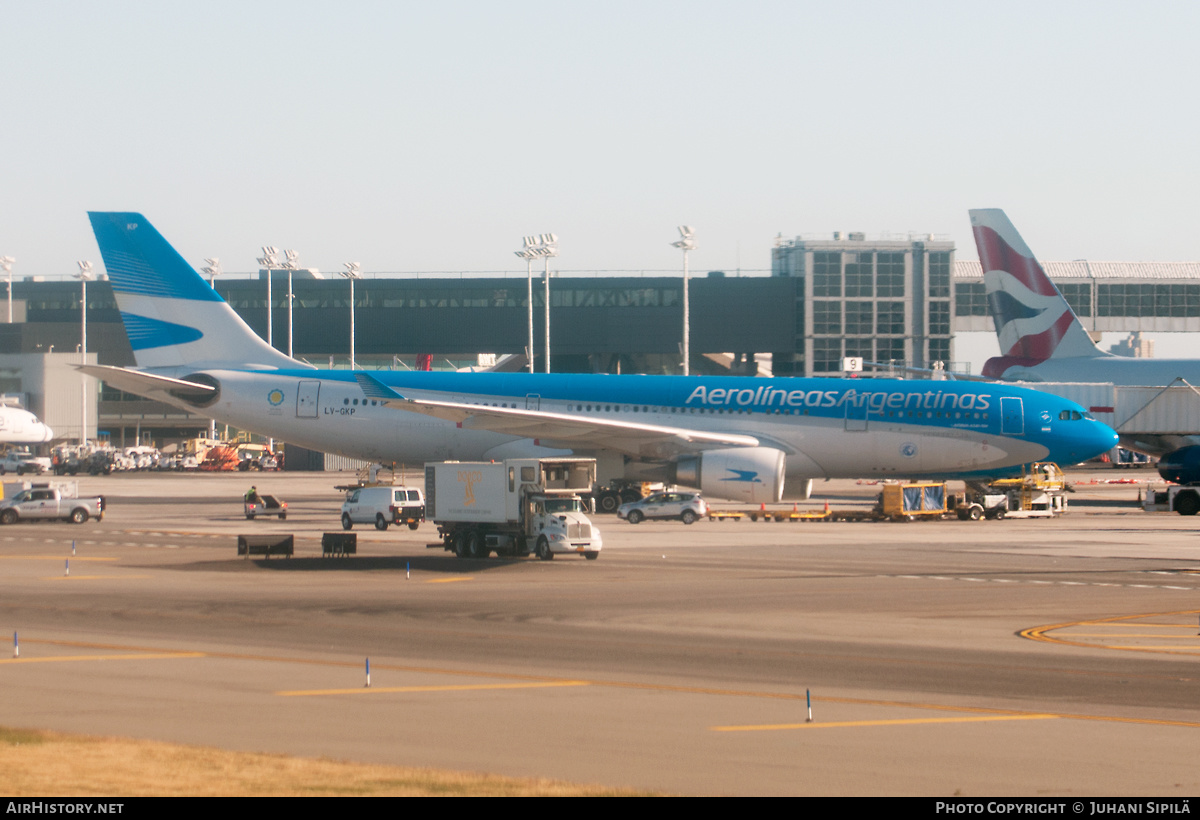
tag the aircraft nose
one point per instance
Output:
(47, 433)
(1100, 438)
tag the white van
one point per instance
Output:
(383, 506)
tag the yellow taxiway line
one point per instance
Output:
(463, 687)
(63, 658)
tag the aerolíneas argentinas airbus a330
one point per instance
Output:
(730, 437)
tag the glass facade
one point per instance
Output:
(886, 301)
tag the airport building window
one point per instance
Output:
(860, 276)
(889, 350)
(859, 347)
(827, 273)
(827, 355)
(890, 274)
(827, 317)
(939, 275)
(939, 318)
(860, 319)
(1078, 296)
(970, 299)
(889, 318)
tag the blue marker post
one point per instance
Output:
(72, 546)
(407, 570)
(16, 646)
(808, 697)
(68, 567)
(368, 686)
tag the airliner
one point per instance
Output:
(1042, 339)
(730, 437)
(19, 426)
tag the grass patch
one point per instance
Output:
(34, 763)
(18, 737)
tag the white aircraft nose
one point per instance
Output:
(47, 433)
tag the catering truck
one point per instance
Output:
(513, 507)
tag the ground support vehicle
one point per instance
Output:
(23, 461)
(42, 502)
(609, 497)
(687, 507)
(908, 502)
(219, 459)
(513, 507)
(1183, 499)
(383, 505)
(264, 506)
(1040, 493)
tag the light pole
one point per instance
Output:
(292, 265)
(213, 270)
(85, 273)
(6, 262)
(353, 271)
(547, 248)
(270, 261)
(528, 255)
(686, 243)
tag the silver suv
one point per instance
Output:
(687, 507)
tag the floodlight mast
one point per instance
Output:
(6, 262)
(528, 255)
(85, 273)
(292, 264)
(352, 272)
(547, 249)
(213, 270)
(269, 260)
(686, 243)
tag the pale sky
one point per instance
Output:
(432, 136)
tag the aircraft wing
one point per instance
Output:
(653, 441)
(160, 388)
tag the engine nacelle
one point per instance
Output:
(752, 474)
(1181, 466)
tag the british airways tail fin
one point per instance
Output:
(172, 316)
(1033, 320)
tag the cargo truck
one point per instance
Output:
(513, 507)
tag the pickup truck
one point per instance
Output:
(45, 503)
(22, 461)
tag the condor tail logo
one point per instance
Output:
(1033, 320)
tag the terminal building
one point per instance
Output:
(891, 300)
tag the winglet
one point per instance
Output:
(374, 389)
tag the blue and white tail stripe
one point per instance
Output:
(173, 318)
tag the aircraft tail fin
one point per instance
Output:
(1033, 320)
(172, 316)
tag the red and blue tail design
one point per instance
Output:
(1033, 320)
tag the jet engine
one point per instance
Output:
(1181, 466)
(199, 398)
(752, 474)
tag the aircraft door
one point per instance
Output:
(533, 401)
(856, 417)
(306, 399)
(1012, 417)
